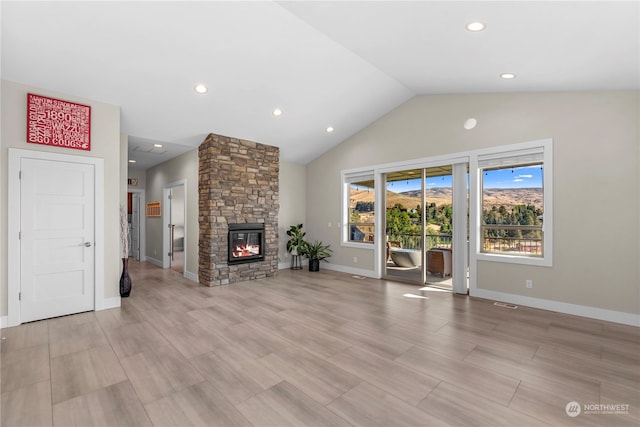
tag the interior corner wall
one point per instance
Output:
(182, 167)
(105, 144)
(596, 185)
(140, 175)
(124, 173)
(293, 195)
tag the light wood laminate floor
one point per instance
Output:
(315, 349)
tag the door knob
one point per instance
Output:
(87, 244)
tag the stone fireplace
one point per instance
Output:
(238, 189)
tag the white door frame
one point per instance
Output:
(459, 204)
(459, 238)
(166, 216)
(13, 229)
(143, 222)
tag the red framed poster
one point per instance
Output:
(59, 123)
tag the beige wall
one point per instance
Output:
(124, 161)
(140, 175)
(292, 205)
(105, 144)
(596, 183)
(182, 167)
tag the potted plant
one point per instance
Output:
(296, 238)
(316, 252)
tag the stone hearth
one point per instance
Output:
(238, 183)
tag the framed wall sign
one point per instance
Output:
(153, 209)
(58, 123)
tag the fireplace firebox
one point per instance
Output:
(246, 243)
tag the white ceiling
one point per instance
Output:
(340, 64)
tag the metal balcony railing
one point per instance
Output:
(524, 240)
(413, 241)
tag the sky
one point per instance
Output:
(522, 177)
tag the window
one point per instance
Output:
(515, 204)
(360, 221)
(513, 210)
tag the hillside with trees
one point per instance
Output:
(511, 206)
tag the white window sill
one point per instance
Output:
(515, 259)
(370, 246)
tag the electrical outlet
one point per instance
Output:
(329, 224)
(355, 259)
(528, 284)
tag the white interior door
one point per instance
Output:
(57, 238)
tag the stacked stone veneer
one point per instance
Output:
(238, 183)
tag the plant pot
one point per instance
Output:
(314, 265)
(125, 279)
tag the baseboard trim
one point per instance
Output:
(287, 265)
(561, 307)
(108, 303)
(191, 276)
(544, 304)
(156, 262)
(349, 270)
(333, 267)
(283, 265)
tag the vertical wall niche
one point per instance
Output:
(238, 183)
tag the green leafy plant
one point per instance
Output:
(315, 251)
(296, 237)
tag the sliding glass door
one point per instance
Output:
(404, 225)
(420, 222)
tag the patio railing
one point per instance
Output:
(515, 239)
(524, 240)
(413, 241)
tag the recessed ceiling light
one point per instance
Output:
(131, 161)
(508, 76)
(475, 26)
(277, 112)
(330, 129)
(200, 88)
(158, 145)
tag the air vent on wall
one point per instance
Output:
(149, 150)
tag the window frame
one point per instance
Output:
(514, 155)
(349, 177)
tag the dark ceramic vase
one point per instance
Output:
(314, 265)
(125, 279)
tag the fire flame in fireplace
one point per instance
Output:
(246, 250)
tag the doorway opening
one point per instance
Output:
(420, 224)
(175, 227)
(136, 225)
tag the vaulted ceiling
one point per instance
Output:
(323, 64)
